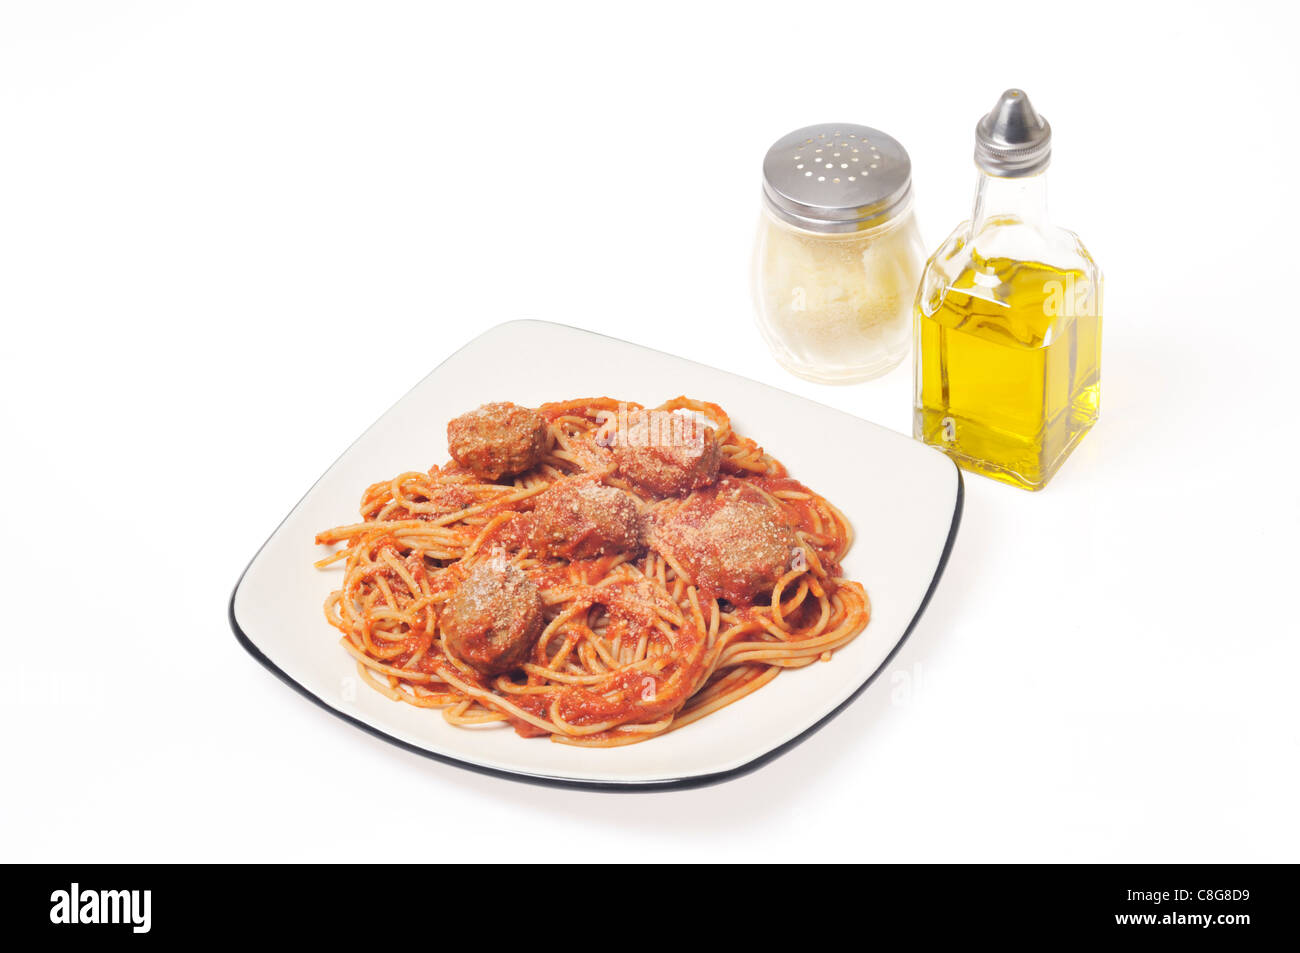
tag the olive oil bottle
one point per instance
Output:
(1008, 318)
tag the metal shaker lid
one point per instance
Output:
(836, 177)
(1013, 140)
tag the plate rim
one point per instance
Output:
(544, 780)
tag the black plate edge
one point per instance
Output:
(670, 784)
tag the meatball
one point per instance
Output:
(497, 440)
(493, 618)
(672, 464)
(732, 539)
(582, 518)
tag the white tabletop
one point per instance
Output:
(231, 237)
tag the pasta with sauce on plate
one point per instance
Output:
(591, 570)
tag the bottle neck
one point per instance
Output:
(1009, 201)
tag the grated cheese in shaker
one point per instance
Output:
(838, 255)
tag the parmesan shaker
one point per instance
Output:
(838, 255)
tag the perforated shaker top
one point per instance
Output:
(837, 177)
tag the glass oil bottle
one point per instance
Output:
(1008, 318)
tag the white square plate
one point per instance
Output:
(903, 499)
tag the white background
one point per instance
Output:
(233, 234)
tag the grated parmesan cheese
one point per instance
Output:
(838, 307)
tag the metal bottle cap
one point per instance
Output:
(836, 177)
(1013, 140)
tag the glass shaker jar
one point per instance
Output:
(838, 255)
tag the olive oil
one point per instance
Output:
(1010, 368)
(1008, 318)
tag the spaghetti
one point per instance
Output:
(734, 577)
